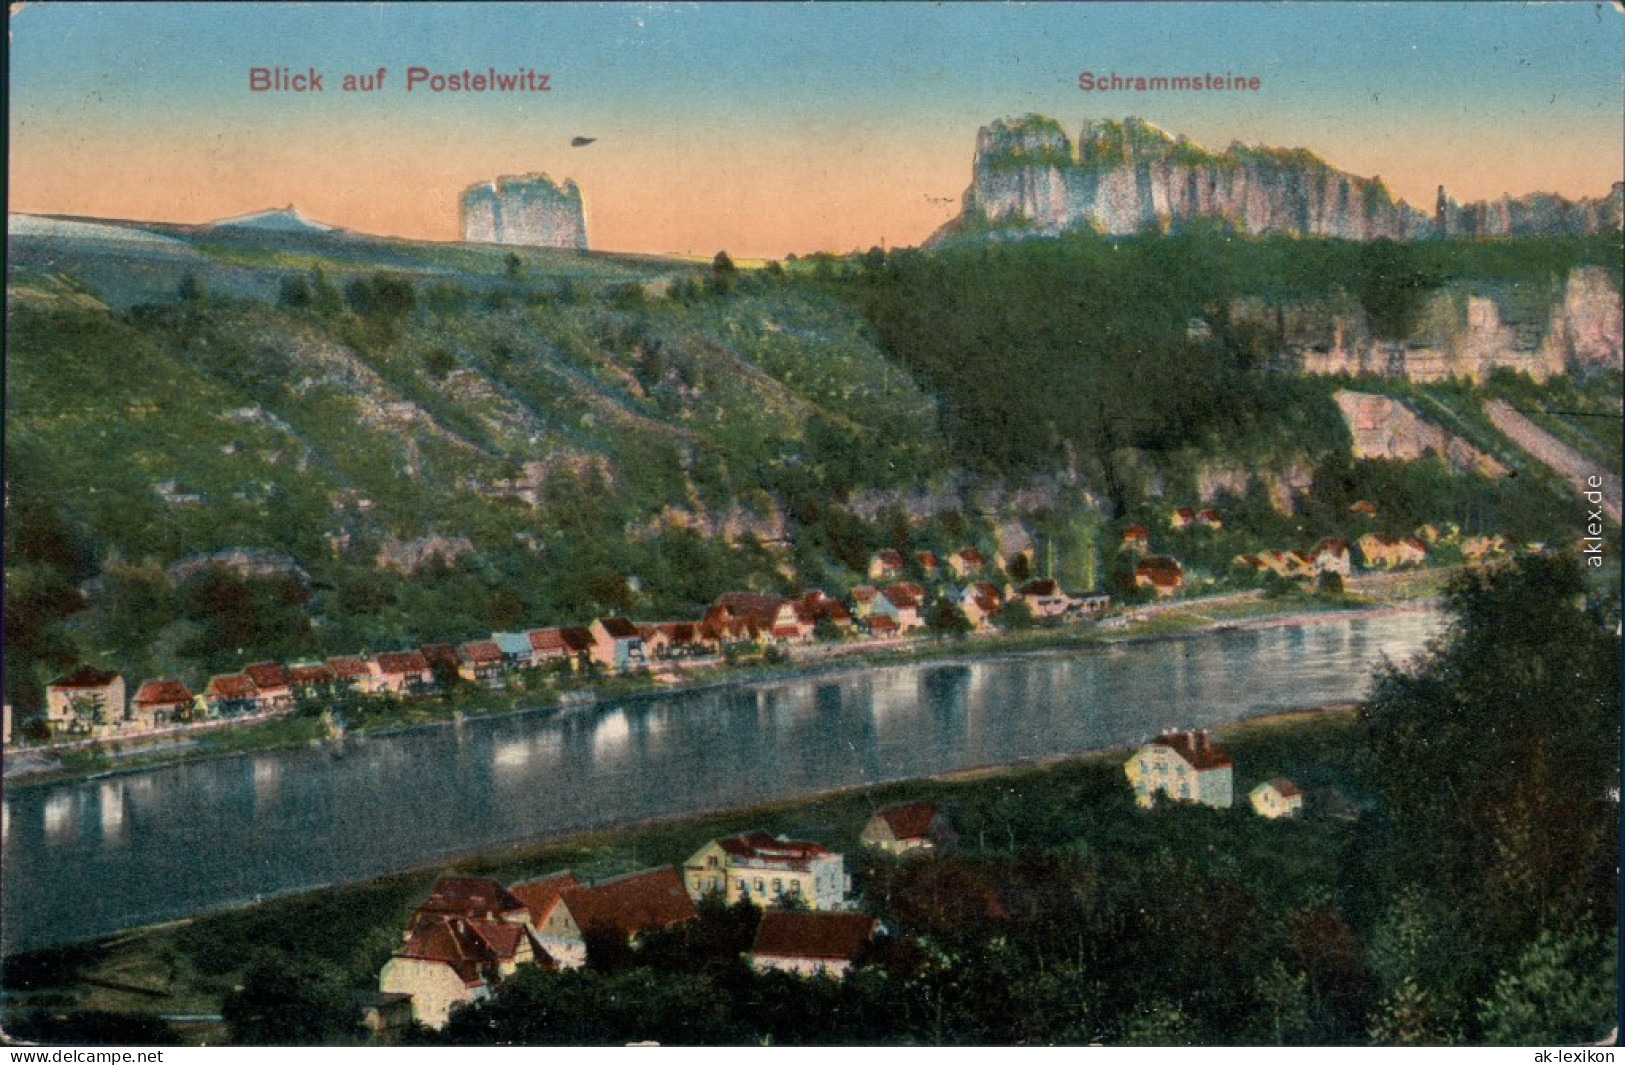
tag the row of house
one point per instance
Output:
(1335, 555)
(967, 563)
(470, 933)
(1192, 767)
(91, 702)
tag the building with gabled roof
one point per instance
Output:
(274, 684)
(563, 911)
(886, 565)
(401, 673)
(312, 680)
(1183, 766)
(913, 827)
(617, 645)
(1161, 574)
(967, 562)
(1276, 798)
(482, 662)
(463, 940)
(85, 700)
(765, 870)
(231, 693)
(161, 702)
(352, 673)
(811, 944)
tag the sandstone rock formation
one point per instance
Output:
(1459, 333)
(530, 210)
(1384, 428)
(1124, 177)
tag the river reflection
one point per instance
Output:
(206, 834)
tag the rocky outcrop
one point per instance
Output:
(1125, 177)
(409, 556)
(1384, 428)
(1592, 481)
(530, 210)
(1459, 333)
(1536, 215)
(1128, 176)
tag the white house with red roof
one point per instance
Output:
(811, 944)
(1183, 766)
(1276, 798)
(464, 939)
(919, 827)
(981, 603)
(1332, 555)
(482, 662)
(563, 910)
(401, 673)
(1160, 573)
(902, 603)
(161, 702)
(274, 684)
(231, 693)
(765, 869)
(1043, 597)
(85, 700)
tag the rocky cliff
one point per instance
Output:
(1124, 177)
(1461, 332)
(1384, 428)
(530, 210)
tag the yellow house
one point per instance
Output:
(758, 867)
(1276, 798)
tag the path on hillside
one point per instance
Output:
(1558, 456)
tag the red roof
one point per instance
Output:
(814, 936)
(1196, 748)
(786, 632)
(231, 686)
(641, 902)
(1413, 542)
(471, 897)
(311, 674)
(747, 606)
(927, 560)
(162, 693)
(547, 641)
(1161, 570)
(268, 675)
(1136, 532)
(905, 596)
(969, 556)
(882, 624)
(86, 676)
(763, 849)
(864, 594)
(909, 820)
(619, 628)
(400, 663)
(890, 559)
(1332, 546)
(1285, 788)
(540, 894)
(452, 943)
(481, 653)
(577, 639)
(1184, 513)
(1044, 587)
(349, 668)
(1208, 516)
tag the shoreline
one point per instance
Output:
(836, 661)
(534, 849)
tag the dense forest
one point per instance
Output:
(470, 440)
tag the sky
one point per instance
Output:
(766, 129)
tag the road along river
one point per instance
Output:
(87, 858)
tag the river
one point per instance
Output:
(88, 858)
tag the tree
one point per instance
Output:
(1562, 989)
(294, 292)
(1016, 616)
(1495, 755)
(723, 274)
(290, 1000)
(191, 288)
(947, 619)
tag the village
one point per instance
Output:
(965, 593)
(470, 934)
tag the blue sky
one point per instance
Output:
(1486, 98)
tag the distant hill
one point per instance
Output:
(282, 220)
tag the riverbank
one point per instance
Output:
(186, 967)
(1369, 594)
